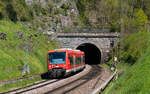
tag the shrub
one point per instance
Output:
(65, 6)
(1, 16)
(11, 12)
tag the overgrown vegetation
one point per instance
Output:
(134, 64)
(17, 52)
(15, 10)
(109, 13)
(18, 10)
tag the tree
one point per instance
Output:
(141, 19)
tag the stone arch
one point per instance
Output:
(93, 52)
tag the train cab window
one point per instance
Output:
(71, 60)
(57, 57)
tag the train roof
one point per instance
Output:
(66, 50)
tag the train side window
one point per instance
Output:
(71, 60)
(78, 61)
(83, 58)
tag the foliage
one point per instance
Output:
(134, 47)
(65, 6)
(15, 10)
(57, 11)
(141, 18)
(109, 13)
(37, 9)
(81, 7)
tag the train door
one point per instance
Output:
(71, 65)
(74, 63)
(82, 59)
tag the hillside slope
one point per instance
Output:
(21, 48)
(136, 77)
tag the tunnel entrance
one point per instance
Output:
(92, 53)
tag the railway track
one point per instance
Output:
(28, 87)
(15, 90)
(31, 86)
(50, 86)
(95, 71)
(59, 83)
(22, 78)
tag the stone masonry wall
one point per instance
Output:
(103, 44)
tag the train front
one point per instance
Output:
(56, 63)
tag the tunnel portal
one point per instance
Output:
(92, 53)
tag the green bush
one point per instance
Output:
(134, 47)
(57, 11)
(37, 9)
(1, 16)
(11, 12)
(43, 11)
(65, 6)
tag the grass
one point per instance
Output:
(16, 53)
(136, 77)
(106, 65)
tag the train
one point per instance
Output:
(63, 62)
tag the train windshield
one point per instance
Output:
(57, 58)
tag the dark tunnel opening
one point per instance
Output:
(92, 53)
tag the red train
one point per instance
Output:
(62, 62)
